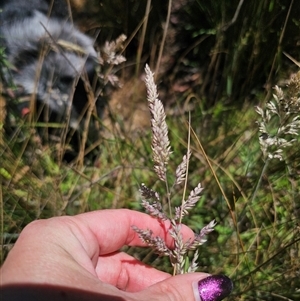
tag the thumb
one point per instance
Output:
(189, 287)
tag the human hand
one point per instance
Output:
(78, 258)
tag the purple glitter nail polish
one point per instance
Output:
(214, 288)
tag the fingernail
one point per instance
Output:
(213, 288)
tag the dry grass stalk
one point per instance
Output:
(152, 200)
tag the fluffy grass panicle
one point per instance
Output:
(280, 120)
(160, 141)
(151, 199)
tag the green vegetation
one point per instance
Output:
(255, 198)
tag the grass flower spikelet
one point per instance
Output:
(160, 141)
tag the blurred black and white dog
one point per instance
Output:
(51, 60)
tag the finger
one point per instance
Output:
(194, 286)
(127, 273)
(113, 228)
(80, 239)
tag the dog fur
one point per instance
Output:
(52, 60)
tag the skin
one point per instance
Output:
(78, 258)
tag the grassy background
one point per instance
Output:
(219, 69)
